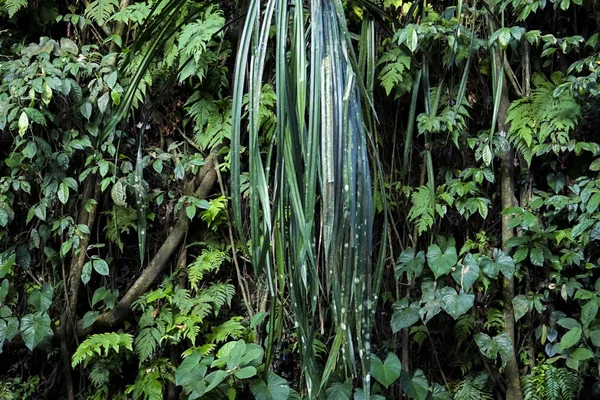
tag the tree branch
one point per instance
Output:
(208, 178)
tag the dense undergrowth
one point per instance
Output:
(343, 200)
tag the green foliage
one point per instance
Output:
(474, 388)
(210, 259)
(101, 344)
(19, 389)
(11, 7)
(543, 122)
(549, 382)
(101, 10)
(422, 210)
(386, 372)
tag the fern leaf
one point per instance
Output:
(13, 6)
(101, 10)
(98, 342)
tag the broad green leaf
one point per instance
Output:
(111, 79)
(275, 388)
(30, 149)
(86, 272)
(438, 392)
(86, 110)
(505, 263)
(441, 264)
(35, 328)
(339, 391)
(581, 353)
(456, 304)
(118, 194)
(536, 256)
(89, 318)
(246, 372)
(404, 316)
(9, 327)
(385, 372)
(467, 273)
(99, 295)
(188, 369)
(520, 306)
(100, 266)
(103, 102)
(568, 323)
(490, 348)
(415, 387)
(41, 299)
(589, 311)
(570, 338)
(214, 379)
(410, 263)
(595, 338)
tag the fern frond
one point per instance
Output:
(102, 341)
(148, 338)
(101, 10)
(209, 260)
(474, 388)
(493, 319)
(464, 327)
(218, 294)
(422, 211)
(99, 375)
(147, 386)
(182, 300)
(13, 6)
(546, 382)
(230, 329)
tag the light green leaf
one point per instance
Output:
(570, 338)
(118, 194)
(246, 372)
(100, 266)
(9, 327)
(589, 311)
(103, 102)
(86, 110)
(23, 123)
(63, 193)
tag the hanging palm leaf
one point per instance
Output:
(321, 186)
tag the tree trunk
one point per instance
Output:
(511, 372)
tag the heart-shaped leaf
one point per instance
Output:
(385, 372)
(441, 263)
(456, 304)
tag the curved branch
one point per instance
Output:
(208, 178)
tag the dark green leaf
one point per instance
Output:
(35, 328)
(275, 388)
(386, 372)
(441, 264)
